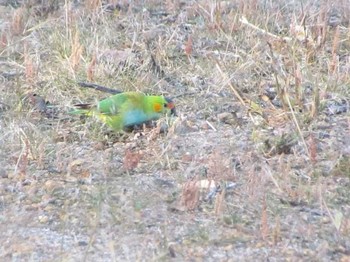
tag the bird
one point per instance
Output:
(127, 109)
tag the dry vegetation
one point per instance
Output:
(255, 167)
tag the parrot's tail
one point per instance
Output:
(83, 106)
(82, 109)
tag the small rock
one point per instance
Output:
(3, 174)
(98, 146)
(187, 157)
(43, 219)
(227, 118)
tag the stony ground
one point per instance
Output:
(255, 167)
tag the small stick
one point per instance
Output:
(244, 21)
(228, 80)
(212, 127)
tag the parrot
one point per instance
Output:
(127, 109)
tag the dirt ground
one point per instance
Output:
(254, 167)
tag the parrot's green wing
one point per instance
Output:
(120, 103)
(122, 110)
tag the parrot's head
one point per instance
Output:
(170, 105)
(161, 104)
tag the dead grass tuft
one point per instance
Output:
(131, 160)
(190, 195)
(91, 69)
(18, 21)
(264, 229)
(23, 158)
(30, 71)
(93, 5)
(76, 53)
(3, 40)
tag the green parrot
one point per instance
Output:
(127, 109)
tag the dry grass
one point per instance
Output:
(255, 167)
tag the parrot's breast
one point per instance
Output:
(137, 117)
